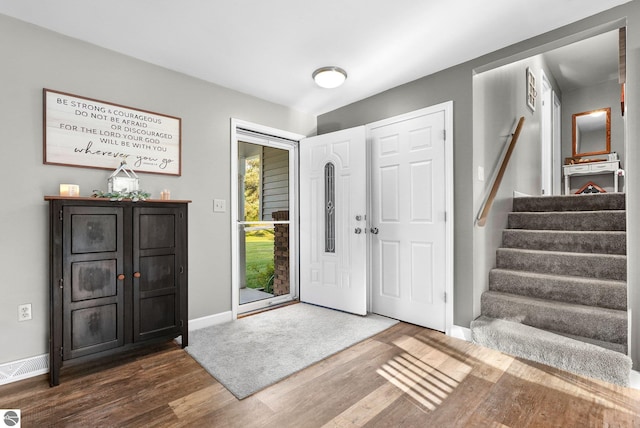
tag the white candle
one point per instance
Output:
(69, 190)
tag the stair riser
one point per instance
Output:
(612, 295)
(591, 220)
(575, 242)
(606, 201)
(576, 264)
(596, 324)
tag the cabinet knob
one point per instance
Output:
(136, 275)
(121, 277)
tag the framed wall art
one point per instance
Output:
(531, 92)
(84, 132)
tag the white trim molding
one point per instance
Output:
(461, 333)
(209, 320)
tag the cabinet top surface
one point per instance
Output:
(81, 198)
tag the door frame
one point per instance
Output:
(556, 124)
(267, 131)
(546, 137)
(447, 107)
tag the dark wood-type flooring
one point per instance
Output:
(406, 376)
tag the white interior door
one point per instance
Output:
(333, 201)
(408, 223)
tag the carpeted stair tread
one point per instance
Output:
(555, 350)
(616, 347)
(600, 266)
(568, 220)
(561, 288)
(604, 324)
(605, 242)
(592, 202)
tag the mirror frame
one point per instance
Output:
(607, 150)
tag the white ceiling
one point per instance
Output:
(585, 63)
(269, 49)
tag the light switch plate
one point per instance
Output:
(480, 173)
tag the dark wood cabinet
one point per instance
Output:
(118, 277)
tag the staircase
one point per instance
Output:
(558, 294)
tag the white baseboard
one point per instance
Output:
(463, 333)
(35, 366)
(634, 380)
(23, 369)
(209, 320)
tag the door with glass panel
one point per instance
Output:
(333, 205)
(266, 245)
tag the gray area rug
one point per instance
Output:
(252, 353)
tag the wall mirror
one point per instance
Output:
(592, 132)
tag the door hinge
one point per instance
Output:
(445, 297)
(181, 323)
(181, 215)
(181, 269)
(61, 283)
(444, 134)
(61, 352)
(60, 215)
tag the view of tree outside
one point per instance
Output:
(259, 243)
(252, 190)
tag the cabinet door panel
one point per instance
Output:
(93, 279)
(159, 314)
(93, 297)
(157, 263)
(94, 233)
(94, 326)
(157, 272)
(158, 231)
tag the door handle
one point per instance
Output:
(358, 231)
(374, 230)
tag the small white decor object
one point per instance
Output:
(123, 179)
(69, 190)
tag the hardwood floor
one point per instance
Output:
(406, 376)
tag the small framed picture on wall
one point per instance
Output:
(531, 90)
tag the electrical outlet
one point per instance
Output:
(24, 312)
(219, 205)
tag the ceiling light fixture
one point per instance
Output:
(329, 77)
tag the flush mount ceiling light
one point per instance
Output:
(329, 77)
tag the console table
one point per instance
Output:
(591, 168)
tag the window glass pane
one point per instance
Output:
(330, 208)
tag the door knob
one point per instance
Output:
(374, 230)
(136, 275)
(120, 277)
(358, 230)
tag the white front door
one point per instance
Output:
(333, 201)
(408, 204)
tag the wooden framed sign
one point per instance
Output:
(88, 133)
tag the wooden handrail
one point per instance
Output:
(486, 206)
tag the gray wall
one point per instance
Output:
(32, 59)
(606, 94)
(499, 100)
(456, 84)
